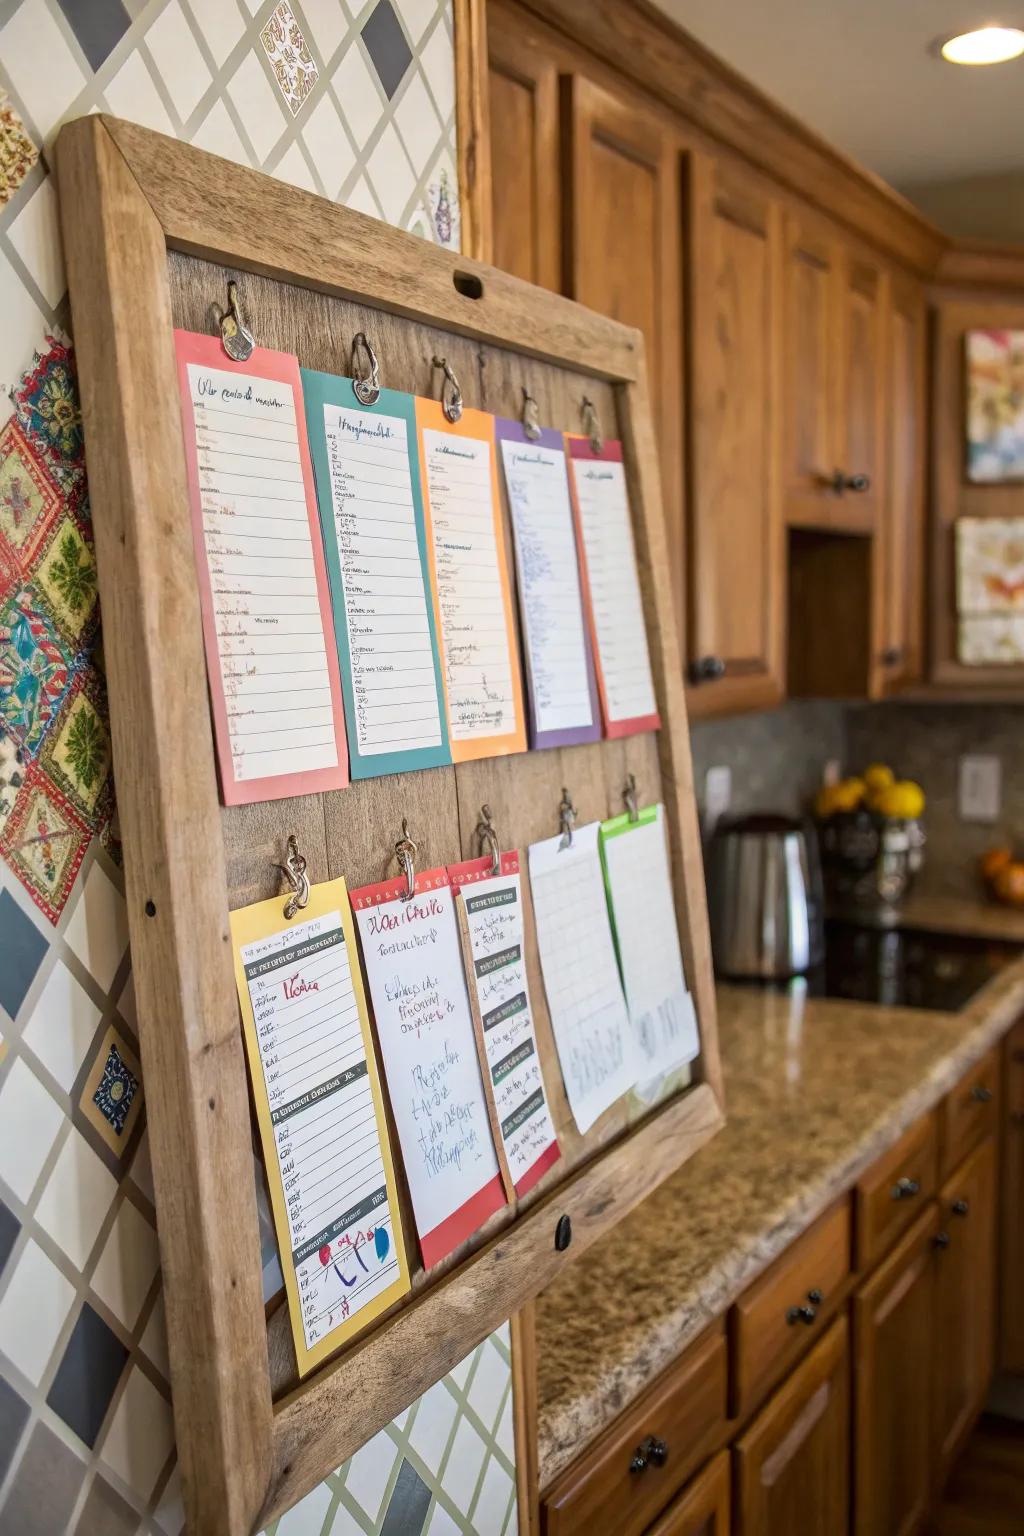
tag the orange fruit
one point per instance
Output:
(992, 861)
(1009, 884)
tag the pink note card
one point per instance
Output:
(275, 688)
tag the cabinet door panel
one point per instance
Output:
(624, 258)
(964, 1301)
(702, 1509)
(893, 1345)
(902, 547)
(1011, 1340)
(810, 376)
(793, 1463)
(525, 179)
(862, 401)
(735, 571)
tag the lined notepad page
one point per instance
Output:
(481, 668)
(391, 655)
(273, 670)
(660, 1005)
(312, 1075)
(581, 977)
(620, 632)
(563, 699)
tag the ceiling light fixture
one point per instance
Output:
(986, 45)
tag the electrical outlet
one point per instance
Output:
(980, 795)
(832, 772)
(717, 795)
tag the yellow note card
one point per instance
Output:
(321, 1117)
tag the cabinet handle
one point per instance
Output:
(981, 1094)
(801, 1315)
(905, 1189)
(815, 1297)
(706, 669)
(941, 1240)
(651, 1453)
(892, 656)
(841, 482)
(960, 1207)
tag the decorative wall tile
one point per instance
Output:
(132, 94)
(327, 22)
(176, 54)
(127, 1266)
(387, 46)
(87, 1376)
(40, 64)
(105, 1513)
(257, 104)
(10, 1227)
(44, 841)
(30, 1119)
(30, 498)
(36, 238)
(17, 152)
(141, 1435)
(358, 93)
(76, 1198)
(14, 1415)
(222, 27)
(45, 1486)
(111, 1100)
(62, 1025)
(33, 1310)
(22, 948)
(294, 68)
(98, 929)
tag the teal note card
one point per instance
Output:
(366, 463)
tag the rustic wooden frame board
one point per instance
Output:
(153, 228)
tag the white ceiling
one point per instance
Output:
(862, 73)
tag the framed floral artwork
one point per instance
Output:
(995, 406)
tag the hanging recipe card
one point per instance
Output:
(581, 977)
(425, 1028)
(368, 477)
(479, 654)
(273, 668)
(490, 912)
(321, 1117)
(612, 586)
(561, 687)
(661, 1010)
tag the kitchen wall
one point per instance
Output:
(777, 758)
(355, 100)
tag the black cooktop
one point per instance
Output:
(907, 967)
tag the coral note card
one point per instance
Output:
(275, 686)
(321, 1117)
(425, 1028)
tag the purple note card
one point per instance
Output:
(561, 683)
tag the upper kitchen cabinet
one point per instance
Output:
(526, 214)
(734, 619)
(833, 381)
(623, 250)
(901, 548)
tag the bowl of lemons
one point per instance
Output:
(870, 827)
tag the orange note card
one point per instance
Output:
(470, 582)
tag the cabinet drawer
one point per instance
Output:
(781, 1314)
(894, 1190)
(1014, 1078)
(607, 1489)
(969, 1111)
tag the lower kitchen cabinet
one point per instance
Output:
(964, 1301)
(702, 1509)
(893, 1347)
(1011, 1259)
(793, 1463)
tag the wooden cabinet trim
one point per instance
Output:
(702, 1509)
(1011, 1252)
(969, 1111)
(764, 1342)
(685, 1408)
(880, 1216)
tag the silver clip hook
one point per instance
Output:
(294, 871)
(451, 392)
(566, 820)
(592, 424)
(405, 853)
(629, 795)
(531, 416)
(365, 385)
(489, 839)
(236, 337)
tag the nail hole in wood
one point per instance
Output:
(563, 1234)
(213, 1103)
(151, 909)
(468, 284)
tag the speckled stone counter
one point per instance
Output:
(815, 1091)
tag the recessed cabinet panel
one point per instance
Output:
(524, 146)
(810, 376)
(859, 455)
(899, 656)
(734, 326)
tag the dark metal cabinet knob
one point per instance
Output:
(905, 1189)
(652, 1452)
(941, 1240)
(801, 1315)
(981, 1094)
(960, 1207)
(815, 1297)
(841, 482)
(892, 656)
(706, 669)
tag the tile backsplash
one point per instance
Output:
(777, 759)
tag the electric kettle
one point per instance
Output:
(765, 899)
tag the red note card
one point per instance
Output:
(612, 587)
(421, 1006)
(272, 662)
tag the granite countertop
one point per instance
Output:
(816, 1089)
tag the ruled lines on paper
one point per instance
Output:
(394, 685)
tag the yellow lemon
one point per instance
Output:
(903, 800)
(878, 776)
